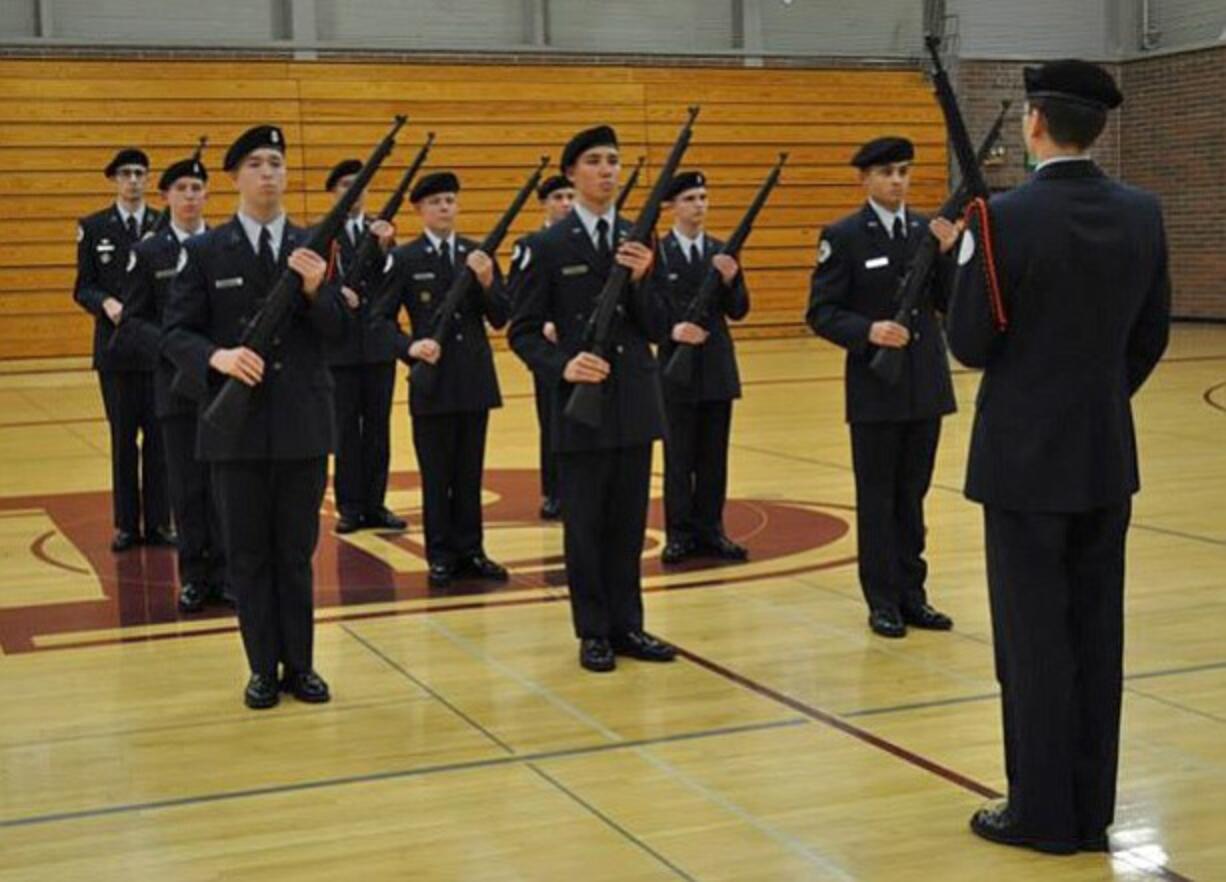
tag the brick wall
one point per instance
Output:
(1167, 138)
(1175, 138)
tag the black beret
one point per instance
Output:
(682, 181)
(126, 156)
(552, 185)
(251, 140)
(600, 136)
(884, 151)
(438, 182)
(184, 168)
(342, 169)
(1073, 80)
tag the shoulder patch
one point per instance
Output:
(131, 260)
(182, 260)
(521, 257)
(966, 252)
(824, 251)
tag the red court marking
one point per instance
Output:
(38, 549)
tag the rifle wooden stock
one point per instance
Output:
(586, 399)
(228, 410)
(680, 367)
(423, 375)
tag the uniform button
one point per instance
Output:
(458, 316)
(620, 348)
(276, 365)
(276, 341)
(579, 316)
(620, 310)
(459, 336)
(917, 336)
(915, 312)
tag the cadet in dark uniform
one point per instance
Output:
(270, 476)
(449, 426)
(138, 472)
(1084, 300)
(151, 269)
(894, 429)
(363, 365)
(699, 414)
(556, 196)
(605, 472)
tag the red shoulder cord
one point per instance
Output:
(978, 207)
(334, 252)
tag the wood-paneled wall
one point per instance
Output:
(61, 121)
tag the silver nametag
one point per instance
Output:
(421, 277)
(166, 273)
(236, 282)
(576, 270)
(876, 262)
(105, 246)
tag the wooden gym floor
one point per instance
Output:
(463, 742)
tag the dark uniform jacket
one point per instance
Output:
(467, 381)
(365, 341)
(103, 244)
(218, 291)
(855, 284)
(715, 370)
(1082, 265)
(562, 280)
(152, 269)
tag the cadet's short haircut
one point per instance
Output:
(1071, 123)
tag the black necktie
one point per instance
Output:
(133, 229)
(268, 262)
(603, 251)
(898, 246)
(695, 255)
(446, 270)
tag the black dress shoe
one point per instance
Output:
(440, 575)
(675, 551)
(927, 618)
(887, 623)
(551, 509)
(479, 566)
(262, 692)
(725, 549)
(384, 519)
(595, 654)
(996, 824)
(124, 540)
(306, 686)
(192, 597)
(162, 537)
(641, 645)
(348, 524)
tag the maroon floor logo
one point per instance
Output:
(62, 586)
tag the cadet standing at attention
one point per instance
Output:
(363, 364)
(1068, 319)
(152, 268)
(700, 413)
(894, 428)
(269, 476)
(138, 470)
(556, 196)
(605, 473)
(449, 425)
